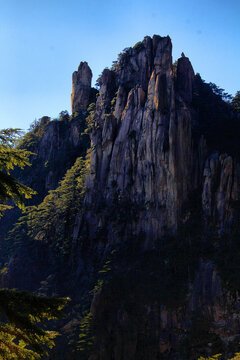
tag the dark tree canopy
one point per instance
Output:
(20, 336)
(10, 157)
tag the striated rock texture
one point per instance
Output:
(143, 146)
(147, 168)
(150, 244)
(81, 88)
(56, 145)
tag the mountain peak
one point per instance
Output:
(81, 87)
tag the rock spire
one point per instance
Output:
(81, 87)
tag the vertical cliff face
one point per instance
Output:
(56, 145)
(220, 193)
(81, 87)
(148, 161)
(156, 216)
(142, 140)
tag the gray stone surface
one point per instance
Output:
(81, 88)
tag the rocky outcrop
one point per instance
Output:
(59, 147)
(56, 150)
(81, 88)
(185, 79)
(56, 145)
(145, 154)
(143, 144)
(157, 202)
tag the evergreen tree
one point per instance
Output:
(20, 336)
(11, 156)
(236, 102)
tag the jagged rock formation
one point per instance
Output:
(144, 146)
(145, 152)
(56, 145)
(156, 219)
(81, 88)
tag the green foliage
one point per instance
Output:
(86, 336)
(64, 116)
(104, 273)
(97, 83)
(220, 92)
(220, 357)
(35, 133)
(115, 65)
(137, 45)
(174, 69)
(113, 103)
(106, 267)
(125, 53)
(4, 269)
(90, 120)
(62, 153)
(236, 102)
(132, 279)
(21, 337)
(88, 328)
(10, 157)
(57, 211)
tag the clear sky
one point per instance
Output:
(43, 41)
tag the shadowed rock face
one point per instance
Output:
(81, 87)
(220, 189)
(147, 166)
(185, 78)
(144, 150)
(144, 144)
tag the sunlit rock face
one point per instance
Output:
(156, 203)
(81, 87)
(142, 143)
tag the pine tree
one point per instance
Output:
(20, 336)
(236, 102)
(11, 156)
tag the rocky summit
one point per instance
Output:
(142, 232)
(81, 87)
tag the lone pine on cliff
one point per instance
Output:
(143, 230)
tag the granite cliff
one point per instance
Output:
(143, 240)
(81, 88)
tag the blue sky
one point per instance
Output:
(42, 43)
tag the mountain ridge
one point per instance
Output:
(138, 232)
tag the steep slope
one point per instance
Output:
(55, 149)
(144, 146)
(140, 234)
(147, 167)
(56, 145)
